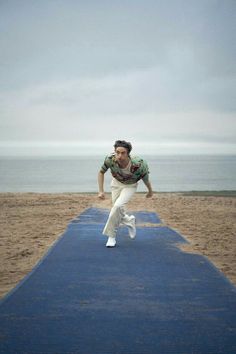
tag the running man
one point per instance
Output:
(126, 171)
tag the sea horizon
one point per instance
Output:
(78, 173)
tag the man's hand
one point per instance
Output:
(101, 195)
(149, 188)
(149, 194)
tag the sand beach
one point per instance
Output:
(31, 222)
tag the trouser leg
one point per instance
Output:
(117, 214)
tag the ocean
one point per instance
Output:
(79, 174)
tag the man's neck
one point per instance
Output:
(124, 164)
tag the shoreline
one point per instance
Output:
(221, 193)
(31, 222)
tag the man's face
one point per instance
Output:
(121, 154)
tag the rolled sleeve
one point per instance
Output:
(146, 177)
(145, 172)
(105, 166)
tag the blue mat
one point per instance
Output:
(143, 296)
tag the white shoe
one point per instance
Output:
(111, 242)
(132, 229)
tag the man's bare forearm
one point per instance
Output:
(101, 182)
(101, 194)
(149, 187)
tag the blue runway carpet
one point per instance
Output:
(143, 296)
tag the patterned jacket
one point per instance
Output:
(138, 170)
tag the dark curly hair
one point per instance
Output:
(124, 144)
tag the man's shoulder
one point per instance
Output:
(110, 158)
(137, 160)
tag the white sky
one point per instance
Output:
(78, 75)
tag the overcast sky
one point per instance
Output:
(77, 75)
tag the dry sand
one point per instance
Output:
(30, 223)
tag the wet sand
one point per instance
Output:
(31, 222)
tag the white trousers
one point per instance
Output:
(121, 195)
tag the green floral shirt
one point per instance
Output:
(138, 169)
